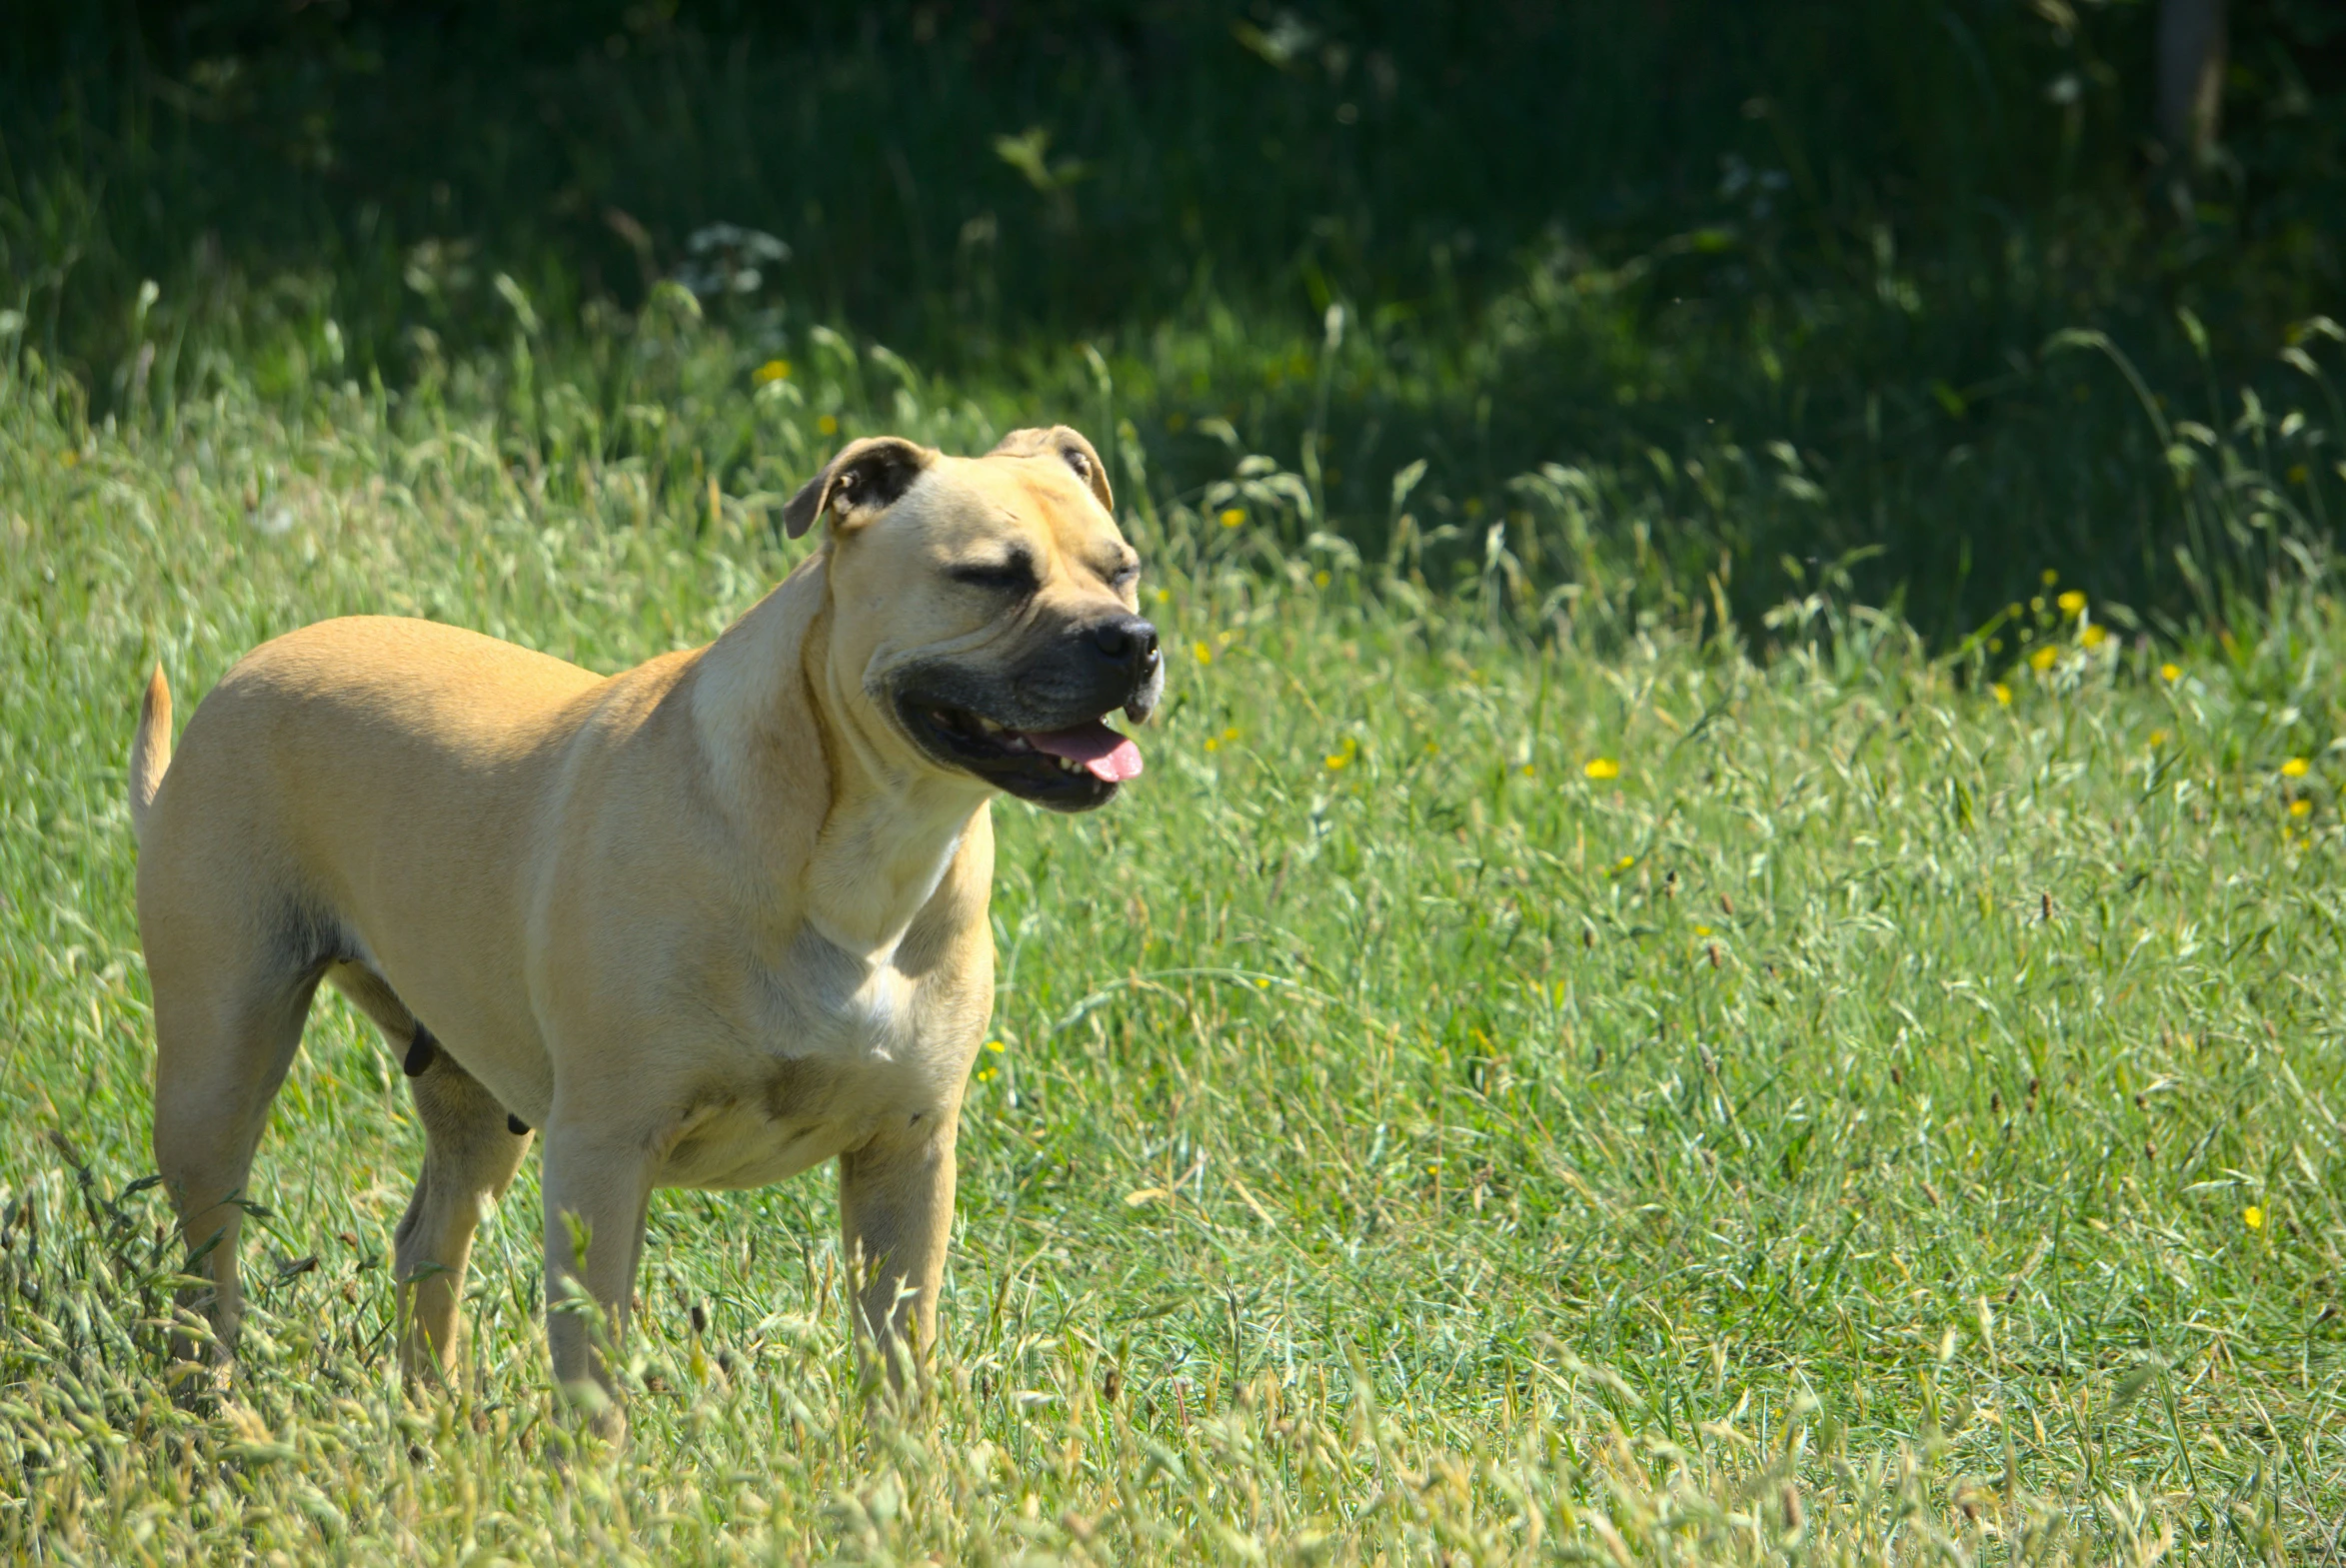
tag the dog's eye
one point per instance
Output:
(1125, 576)
(1014, 575)
(1080, 463)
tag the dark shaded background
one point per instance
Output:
(1593, 233)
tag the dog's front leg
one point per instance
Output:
(896, 1212)
(597, 1187)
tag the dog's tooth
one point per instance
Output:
(1013, 741)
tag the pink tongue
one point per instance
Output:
(1108, 755)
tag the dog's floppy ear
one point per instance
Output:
(1071, 449)
(872, 471)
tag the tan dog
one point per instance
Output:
(705, 923)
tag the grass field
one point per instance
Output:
(1587, 1043)
(1522, 1078)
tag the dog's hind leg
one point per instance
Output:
(472, 1148)
(225, 1034)
(470, 1155)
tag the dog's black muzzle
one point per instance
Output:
(1032, 730)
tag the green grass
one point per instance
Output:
(1835, 1136)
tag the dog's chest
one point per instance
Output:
(876, 1022)
(846, 1048)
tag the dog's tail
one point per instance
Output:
(150, 751)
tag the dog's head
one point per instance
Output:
(985, 610)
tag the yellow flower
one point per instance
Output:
(2253, 1217)
(1702, 930)
(2094, 635)
(1319, 580)
(1231, 517)
(1528, 770)
(2071, 603)
(2003, 694)
(2170, 673)
(2158, 738)
(987, 1074)
(1602, 768)
(1262, 985)
(1341, 756)
(2042, 659)
(1202, 653)
(769, 372)
(1232, 733)
(1212, 745)
(1624, 862)
(2295, 768)
(828, 425)
(1996, 645)
(2051, 577)
(2301, 807)
(995, 1047)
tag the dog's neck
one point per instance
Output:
(776, 721)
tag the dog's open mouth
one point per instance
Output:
(1075, 767)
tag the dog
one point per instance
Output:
(706, 923)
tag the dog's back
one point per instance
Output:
(342, 753)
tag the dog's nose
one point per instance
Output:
(1130, 643)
